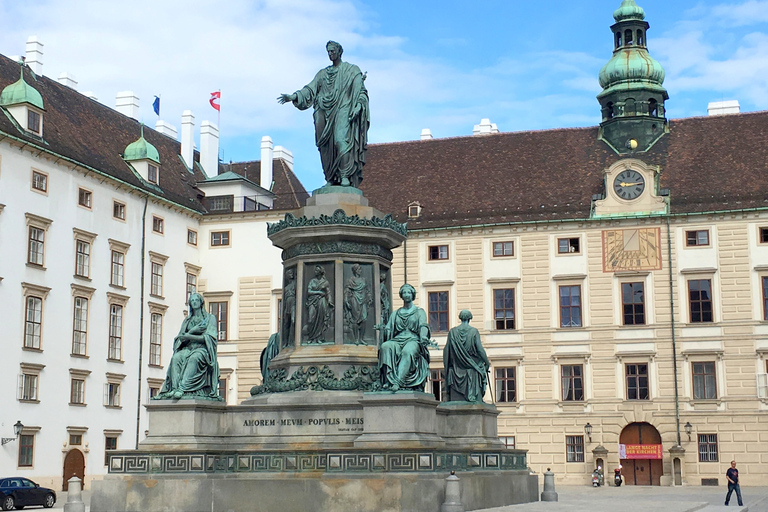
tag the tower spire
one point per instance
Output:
(632, 100)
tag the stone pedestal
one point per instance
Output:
(466, 425)
(404, 420)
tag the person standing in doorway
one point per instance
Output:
(732, 475)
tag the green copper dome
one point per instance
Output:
(141, 150)
(632, 65)
(629, 10)
(21, 92)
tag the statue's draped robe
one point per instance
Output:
(318, 309)
(269, 353)
(194, 369)
(289, 314)
(356, 299)
(465, 363)
(404, 357)
(334, 93)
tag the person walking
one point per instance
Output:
(732, 475)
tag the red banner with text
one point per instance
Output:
(640, 451)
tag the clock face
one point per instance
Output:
(629, 184)
(631, 249)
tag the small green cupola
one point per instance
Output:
(632, 100)
(25, 104)
(144, 158)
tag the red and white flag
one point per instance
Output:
(214, 101)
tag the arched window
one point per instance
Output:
(628, 37)
(629, 106)
(618, 39)
(640, 38)
(653, 108)
(609, 108)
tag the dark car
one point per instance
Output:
(17, 492)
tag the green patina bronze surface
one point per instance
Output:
(269, 353)
(465, 362)
(317, 379)
(193, 372)
(339, 217)
(340, 101)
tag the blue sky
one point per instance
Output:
(439, 65)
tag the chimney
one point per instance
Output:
(209, 148)
(284, 155)
(485, 128)
(127, 103)
(34, 58)
(426, 134)
(68, 80)
(166, 129)
(720, 108)
(265, 178)
(188, 138)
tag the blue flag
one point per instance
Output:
(156, 105)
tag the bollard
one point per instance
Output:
(74, 496)
(549, 493)
(452, 494)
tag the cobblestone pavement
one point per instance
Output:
(646, 499)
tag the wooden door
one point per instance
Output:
(641, 471)
(74, 465)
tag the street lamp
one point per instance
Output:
(588, 431)
(688, 429)
(17, 428)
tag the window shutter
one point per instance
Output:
(117, 395)
(106, 393)
(21, 387)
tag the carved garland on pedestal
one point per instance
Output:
(339, 217)
(317, 379)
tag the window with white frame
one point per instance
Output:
(219, 238)
(118, 210)
(118, 269)
(574, 448)
(219, 310)
(28, 387)
(77, 391)
(80, 326)
(503, 249)
(158, 224)
(191, 237)
(191, 285)
(37, 229)
(34, 322)
(697, 238)
(39, 181)
(156, 339)
(568, 245)
(762, 381)
(85, 198)
(707, 447)
(157, 279)
(112, 389)
(704, 380)
(438, 252)
(509, 441)
(82, 258)
(115, 349)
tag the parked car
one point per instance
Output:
(18, 492)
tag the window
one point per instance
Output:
(697, 238)
(438, 252)
(84, 198)
(764, 235)
(219, 204)
(157, 279)
(191, 237)
(191, 285)
(633, 305)
(708, 448)
(504, 308)
(28, 387)
(39, 181)
(700, 300)
(155, 339)
(574, 448)
(219, 310)
(115, 349)
(572, 382)
(118, 210)
(151, 173)
(110, 443)
(570, 306)
(76, 439)
(765, 297)
(509, 441)
(112, 394)
(223, 389)
(762, 384)
(437, 381)
(567, 245)
(34, 322)
(640, 38)
(33, 121)
(637, 381)
(36, 245)
(249, 204)
(219, 238)
(505, 385)
(501, 249)
(80, 326)
(82, 258)
(704, 383)
(77, 392)
(438, 311)
(118, 269)
(26, 450)
(158, 224)
(414, 210)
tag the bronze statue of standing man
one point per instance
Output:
(341, 116)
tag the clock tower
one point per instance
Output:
(632, 101)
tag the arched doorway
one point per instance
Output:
(74, 465)
(642, 445)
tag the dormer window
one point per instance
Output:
(152, 173)
(33, 121)
(414, 210)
